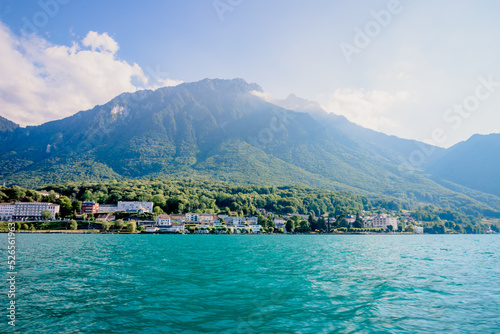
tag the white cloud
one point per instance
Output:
(40, 81)
(264, 96)
(100, 42)
(368, 108)
(165, 83)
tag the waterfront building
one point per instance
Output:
(27, 210)
(135, 206)
(6, 211)
(235, 220)
(89, 207)
(383, 221)
(139, 207)
(163, 220)
(107, 208)
(177, 218)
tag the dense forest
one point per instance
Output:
(186, 195)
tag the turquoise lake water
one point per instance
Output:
(256, 284)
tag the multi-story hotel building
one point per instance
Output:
(27, 210)
(89, 207)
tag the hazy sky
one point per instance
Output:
(415, 69)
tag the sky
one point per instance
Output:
(424, 70)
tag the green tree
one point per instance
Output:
(305, 226)
(73, 225)
(25, 227)
(289, 225)
(312, 223)
(66, 206)
(331, 216)
(46, 215)
(77, 205)
(342, 222)
(358, 223)
(17, 193)
(141, 228)
(18, 226)
(410, 229)
(159, 200)
(105, 226)
(131, 226)
(270, 222)
(119, 225)
(52, 196)
(158, 211)
(87, 196)
(321, 223)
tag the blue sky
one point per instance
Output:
(422, 66)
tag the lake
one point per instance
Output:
(255, 284)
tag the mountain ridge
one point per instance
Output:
(221, 129)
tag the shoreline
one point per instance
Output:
(246, 234)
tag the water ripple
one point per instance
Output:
(257, 284)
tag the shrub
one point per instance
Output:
(131, 226)
(119, 224)
(73, 225)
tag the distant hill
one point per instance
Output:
(6, 125)
(222, 129)
(474, 163)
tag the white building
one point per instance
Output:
(175, 227)
(192, 217)
(384, 220)
(419, 229)
(279, 221)
(235, 221)
(238, 228)
(163, 220)
(253, 220)
(6, 211)
(135, 206)
(209, 218)
(255, 228)
(107, 208)
(126, 207)
(27, 210)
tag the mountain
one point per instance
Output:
(396, 150)
(474, 163)
(223, 129)
(6, 125)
